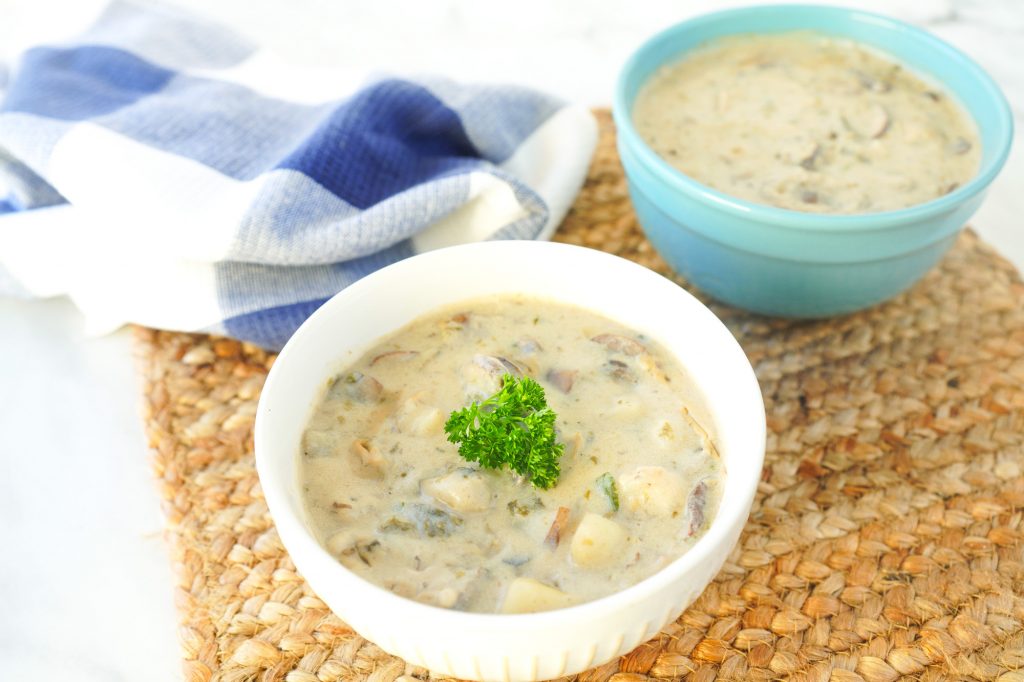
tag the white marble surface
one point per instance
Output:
(84, 576)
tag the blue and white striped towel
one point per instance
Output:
(164, 171)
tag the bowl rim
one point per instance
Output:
(294, 531)
(799, 220)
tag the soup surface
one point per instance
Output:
(393, 500)
(807, 122)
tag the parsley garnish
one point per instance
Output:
(513, 428)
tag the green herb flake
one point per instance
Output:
(515, 508)
(422, 518)
(513, 428)
(606, 482)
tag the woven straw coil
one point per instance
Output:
(884, 544)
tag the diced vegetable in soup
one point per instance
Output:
(807, 122)
(636, 480)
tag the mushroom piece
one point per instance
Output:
(620, 344)
(871, 122)
(575, 444)
(369, 456)
(808, 196)
(695, 505)
(395, 355)
(800, 151)
(562, 379)
(344, 541)
(482, 376)
(620, 371)
(528, 345)
(557, 527)
(810, 161)
(871, 83)
(498, 365)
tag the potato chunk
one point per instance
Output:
(652, 490)
(597, 542)
(526, 595)
(462, 490)
(423, 422)
(418, 417)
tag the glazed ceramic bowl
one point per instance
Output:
(526, 646)
(781, 262)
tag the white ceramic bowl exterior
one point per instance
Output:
(528, 646)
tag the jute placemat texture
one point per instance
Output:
(885, 540)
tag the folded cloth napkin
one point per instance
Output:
(162, 170)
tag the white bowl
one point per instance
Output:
(526, 646)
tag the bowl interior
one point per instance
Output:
(933, 59)
(350, 323)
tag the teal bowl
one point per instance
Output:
(787, 263)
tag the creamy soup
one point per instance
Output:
(809, 123)
(393, 500)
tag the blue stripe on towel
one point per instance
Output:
(391, 136)
(295, 221)
(256, 298)
(497, 118)
(271, 327)
(224, 126)
(80, 83)
(387, 138)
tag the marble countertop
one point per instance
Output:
(85, 577)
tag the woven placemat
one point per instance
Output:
(885, 540)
